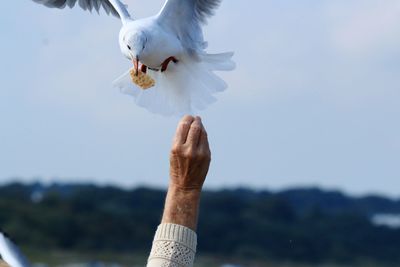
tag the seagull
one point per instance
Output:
(170, 48)
(11, 254)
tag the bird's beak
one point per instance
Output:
(136, 65)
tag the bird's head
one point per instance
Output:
(132, 46)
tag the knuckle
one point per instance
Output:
(189, 154)
(176, 149)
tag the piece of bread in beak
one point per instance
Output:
(143, 80)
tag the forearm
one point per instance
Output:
(182, 207)
(175, 241)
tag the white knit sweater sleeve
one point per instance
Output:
(173, 246)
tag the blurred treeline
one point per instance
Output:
(303, 225)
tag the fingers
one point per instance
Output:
(203, 144)
(191, 132)
(183, 129)
(194, 134)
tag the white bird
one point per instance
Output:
(11, 254)
(170, 47)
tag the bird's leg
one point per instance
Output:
(164, 65)
(143, 68)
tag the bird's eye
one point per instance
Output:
(128, 47)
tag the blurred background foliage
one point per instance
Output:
(307, 226)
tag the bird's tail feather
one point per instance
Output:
(184, 88)
(222, 62)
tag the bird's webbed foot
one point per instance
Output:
(143, 68)
(164, 65)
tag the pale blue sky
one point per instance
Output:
(314, 100)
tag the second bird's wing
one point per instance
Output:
(185, 17)
(11, 254)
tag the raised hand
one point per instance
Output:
(189, 162)
(190, 155)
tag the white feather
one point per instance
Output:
(11, 254)
(186, 87)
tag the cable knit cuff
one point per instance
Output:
(173, 246)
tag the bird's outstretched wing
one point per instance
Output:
(11, 254)
(114, 7)
(185, 17)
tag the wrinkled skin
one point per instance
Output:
(189, 162)
(190, 155)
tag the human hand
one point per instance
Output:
(190, 155)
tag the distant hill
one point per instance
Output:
(308, 225)
(336, 202)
